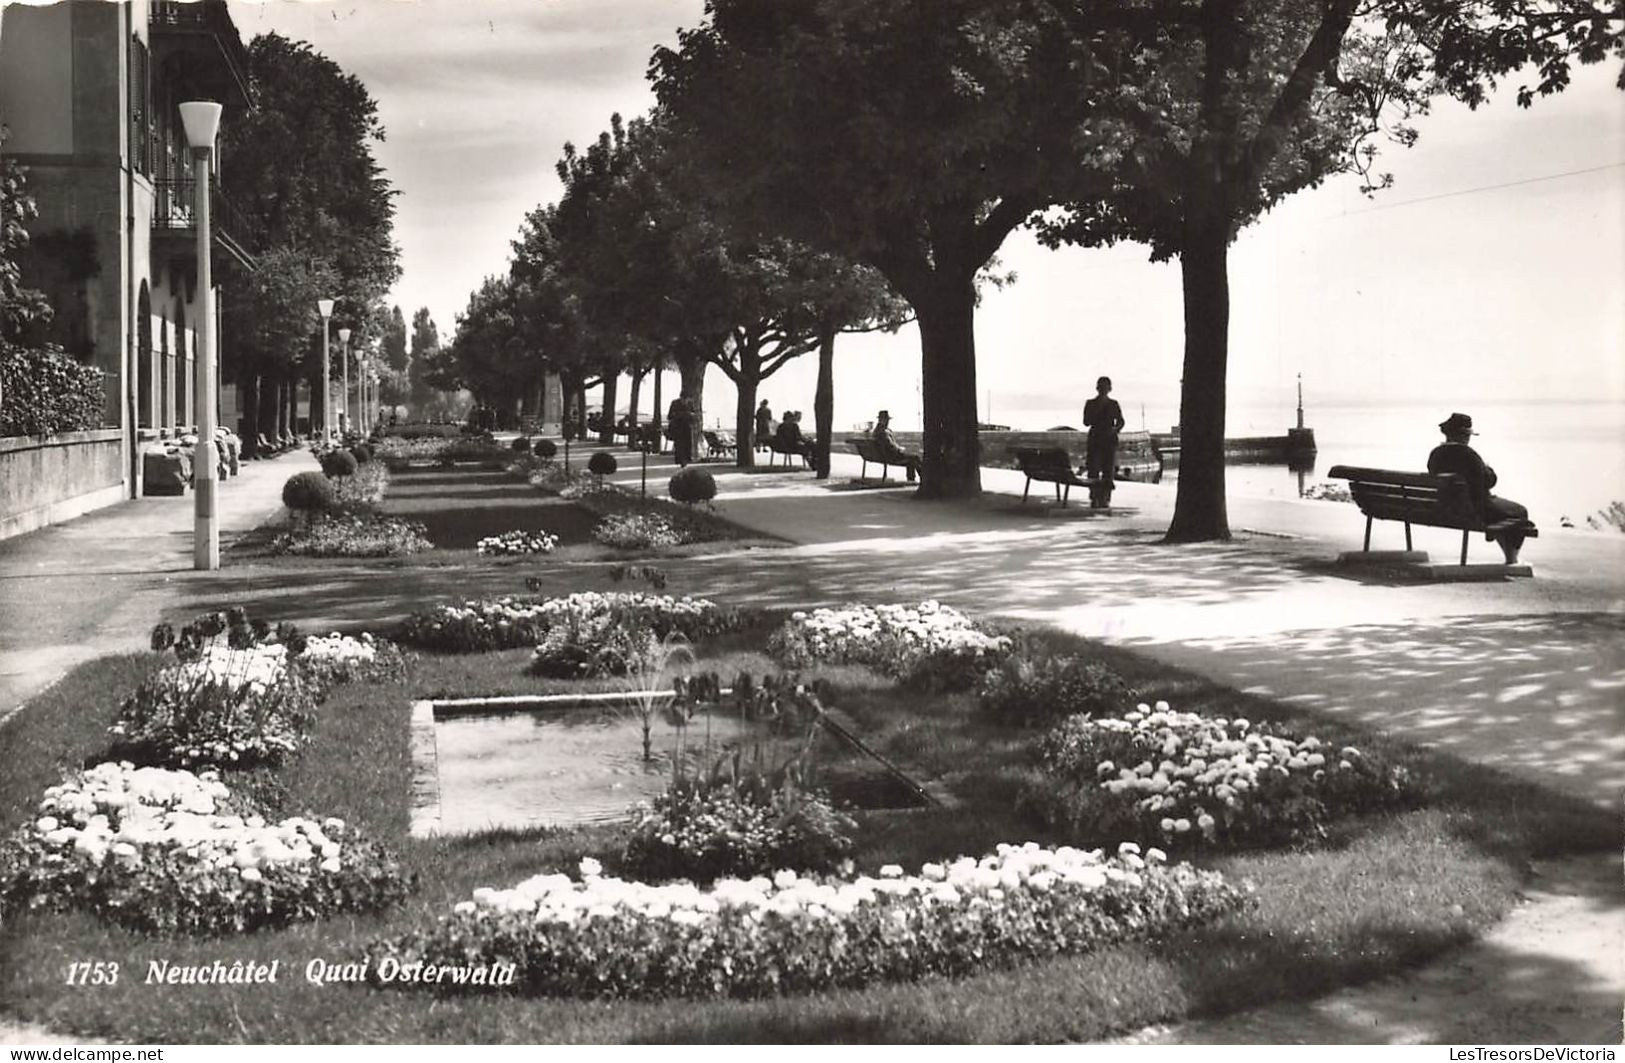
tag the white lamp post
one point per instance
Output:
(326, 308)
(344, 406)
(202, 122)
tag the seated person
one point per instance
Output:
(1455, 455)
(887, 443)
(789, 439)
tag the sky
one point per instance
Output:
(1493, 270)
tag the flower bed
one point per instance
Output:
(353, 535)
(929, 643)
(636, 531)
(332, 659)
(363, 488)
(517, 543)
(505, 623)
(171, 851)
(227, 706)
(604, 937)
(705, 830)
(1193, 780)
(400, 451)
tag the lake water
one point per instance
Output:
(1558, 459)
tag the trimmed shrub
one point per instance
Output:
(522, 445)
(362, 453)
(544, 448)
(692, 485)
(1024, 691)
(308, 492)
(602, 463)
(43, 390)
(337, 463)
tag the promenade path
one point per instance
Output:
(1525, 675)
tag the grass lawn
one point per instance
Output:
(1381, 893)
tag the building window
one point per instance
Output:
(140, 110)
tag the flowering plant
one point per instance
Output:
(931, 642)
(508, 622)
(363, 488)
(1192, 779)
(335, 658)
(706, 828)
(226, 705)
(636, 531)
(172, 851)
(515, 543)
(604, 937)
(358, 534)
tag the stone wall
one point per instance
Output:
(43, 481)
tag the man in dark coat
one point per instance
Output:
(1104, 419)
(1457, 456)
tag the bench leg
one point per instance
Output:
(1464, 546)
(1066, 496)
(1367, 546)
(1407, 536)
(1028, 486)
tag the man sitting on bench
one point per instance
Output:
(1455, 455)
(890, 452)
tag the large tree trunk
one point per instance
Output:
(606, 431)
(824, 401)
(249, 381)
(691, 368)
(947, 319)
(748, 380)
(1199, 507)
(632, 408)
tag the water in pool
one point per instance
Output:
(561, 768)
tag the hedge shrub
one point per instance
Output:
(693, 485)
(337, 463)
(545, 448)
(307, 492)
(602, 463)
(44, 390)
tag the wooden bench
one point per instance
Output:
(870, 451)
(719, 444)
(1054, 465)
(1432, 500)
(776, 448)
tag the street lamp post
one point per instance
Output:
(326, 308)
(345, 423)
(202, 122)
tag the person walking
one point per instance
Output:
(1104, 419)
(1456, 455)
(680, 426)
(764, 426)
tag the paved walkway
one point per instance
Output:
(1525, 675)
(96, 585)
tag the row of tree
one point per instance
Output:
(811, 162)
(299, 166)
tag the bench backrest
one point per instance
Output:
(1416, 497)
(868, 450)
(1046, 460)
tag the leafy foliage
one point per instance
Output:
(308, 492)
(692, 485)
(44, 390)
(1023, 690)
(18, 305)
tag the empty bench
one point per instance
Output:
(1429, 499)
(1054, 465)
(871, 452)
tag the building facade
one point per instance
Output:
(90, 91)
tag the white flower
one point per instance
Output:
(590, 868)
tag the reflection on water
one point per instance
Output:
(564, 767)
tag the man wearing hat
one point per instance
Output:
(1457, 456)
(888, 444)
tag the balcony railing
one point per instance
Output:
(173, 210)
(205, 17)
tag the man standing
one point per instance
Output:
(1455, 455)
(1104, 419)
(764, 425)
